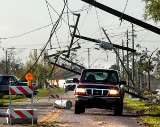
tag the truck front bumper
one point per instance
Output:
(98, 101)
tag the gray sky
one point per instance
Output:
(19, 18)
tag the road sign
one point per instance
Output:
(54, 96)
(20, 90)
(29, 77)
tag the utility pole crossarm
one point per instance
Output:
(123, 16)
(98, 41)
(72, 63)
(62, 52)
(71, 70)
(124, 48)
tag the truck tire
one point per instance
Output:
(82, 108)
(118, 109)
(77, 108)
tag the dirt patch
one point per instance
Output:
(52, 119)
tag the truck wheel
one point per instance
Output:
(82, 108)
(77, 108)
(118, 110)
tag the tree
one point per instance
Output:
(40, 71)
(157, 69)
(3, 66)
(10, 65)
(152, 10)
(147, 63)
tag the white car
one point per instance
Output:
(70, 85)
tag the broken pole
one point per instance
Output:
(123, 16)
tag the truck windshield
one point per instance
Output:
(105, 76)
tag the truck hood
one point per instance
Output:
(96, 85)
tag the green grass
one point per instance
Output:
(18, 98)
(45, 92)
(15, 98)
(149, 113)
(42, 93)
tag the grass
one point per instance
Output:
(15, 98)
(149, 113)
(41, 93)
(46, 92)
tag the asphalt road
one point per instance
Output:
(55, 117)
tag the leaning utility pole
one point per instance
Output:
(74, 32)
(119, 58)
(123, 16)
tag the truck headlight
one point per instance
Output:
(113, 92)
(80, 91)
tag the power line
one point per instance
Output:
(51, 34)
(50, 19)
(16, 36)
(66, 4)
(57, 12)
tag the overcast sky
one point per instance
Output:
(26, 25)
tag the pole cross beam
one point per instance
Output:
(71, 70)
(97, 41)
(62, 52)
(72, 63)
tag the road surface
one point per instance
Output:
(51, 116)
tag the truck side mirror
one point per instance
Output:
(75, 80)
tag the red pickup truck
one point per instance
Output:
(99, 88)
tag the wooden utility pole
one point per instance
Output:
(127, 58)
(88, 57)
(123, 16)
(117, 60)
(133, 67)
(6, 62)
(123, 58)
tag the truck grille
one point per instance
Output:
(98, 92)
